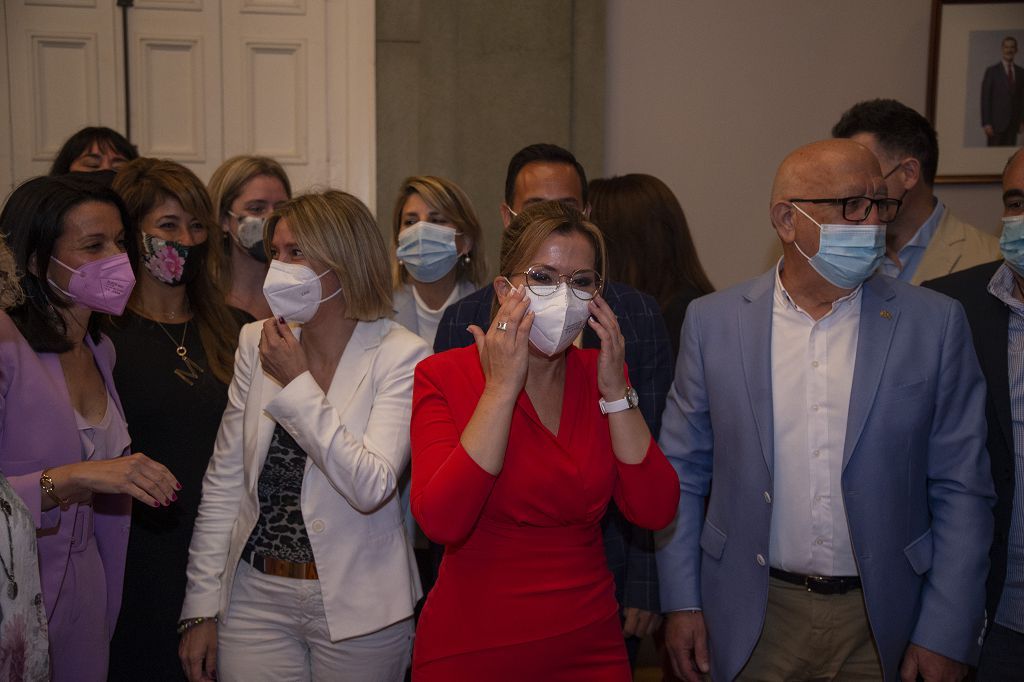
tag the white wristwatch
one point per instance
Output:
(627, 403)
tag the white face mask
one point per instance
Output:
(293, 291)
(559, 317)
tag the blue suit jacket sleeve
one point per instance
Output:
(472, 309)
(960, 496)
(687, 440)
(649, 361)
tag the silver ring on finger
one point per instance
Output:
(502, 326)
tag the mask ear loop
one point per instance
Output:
(795, 242)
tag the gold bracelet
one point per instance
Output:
(46, 484)
(190, 623)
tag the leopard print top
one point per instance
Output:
(280, 532)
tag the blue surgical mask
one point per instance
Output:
(427, 251)
(1012, 242)
(847, 254)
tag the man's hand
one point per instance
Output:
(989, 131)
(687, 642)
(932, 667)
(639, 623)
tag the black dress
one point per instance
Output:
(175, 424)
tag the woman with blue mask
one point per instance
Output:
(438, 252)
(438, 247)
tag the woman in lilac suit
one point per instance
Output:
(63, 440)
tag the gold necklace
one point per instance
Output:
(192, 370)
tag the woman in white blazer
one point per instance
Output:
(299, 566)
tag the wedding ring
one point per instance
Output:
(502, 326)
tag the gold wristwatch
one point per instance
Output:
(46, 485)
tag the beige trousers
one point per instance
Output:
(808, 636)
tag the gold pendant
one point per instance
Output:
(191, 371)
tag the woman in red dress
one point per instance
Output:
(518, 445)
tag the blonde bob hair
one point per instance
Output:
(448, 199)
(335, 228)
(531, 228)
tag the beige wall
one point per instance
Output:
(710, 95)
(464, 84)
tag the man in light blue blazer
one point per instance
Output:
(835, 419)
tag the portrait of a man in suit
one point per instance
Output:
(1002, 98)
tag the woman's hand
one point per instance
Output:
(137, 475)
(611, 380)
(281, 354)
(198, 652)
(505, 353)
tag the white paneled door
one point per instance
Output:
(291, 79)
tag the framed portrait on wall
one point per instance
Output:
(976, 86)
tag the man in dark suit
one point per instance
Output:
(1002, 98)
(992, 296)
(544, 172)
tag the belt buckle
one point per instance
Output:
(826, 585)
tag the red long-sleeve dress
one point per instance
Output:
(524, 591)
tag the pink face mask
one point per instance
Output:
(102, 285)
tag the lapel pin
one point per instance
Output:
(885, 315)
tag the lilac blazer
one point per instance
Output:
(37, 431)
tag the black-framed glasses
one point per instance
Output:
(857, 209)
(542, 280)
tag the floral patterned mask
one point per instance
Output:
(171, 262)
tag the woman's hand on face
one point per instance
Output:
(281, 354)
(198, 652)
(505, 353)
(610, 378)
(137, 475)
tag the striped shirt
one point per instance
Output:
(1010, 612)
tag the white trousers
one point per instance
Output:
(277, 630)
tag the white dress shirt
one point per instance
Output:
(812, 376)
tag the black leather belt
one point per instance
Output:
(819, 584)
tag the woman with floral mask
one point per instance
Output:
(65, 443)
(519, 443)
(175, 347)
(245, 190)
(438, 249)
(299, 566)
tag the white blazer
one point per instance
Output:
(356, 439)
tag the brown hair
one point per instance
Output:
(532, 227)
(645, 226)
(336, 229)
(227, 183)
(143, 185)
(448, 199)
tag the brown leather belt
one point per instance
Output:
(819, 584)
(279, 567)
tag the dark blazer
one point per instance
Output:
(1001, 108)
(630, 550)
(990, 321)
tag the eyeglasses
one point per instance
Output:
(857, 209)
(542, 280)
